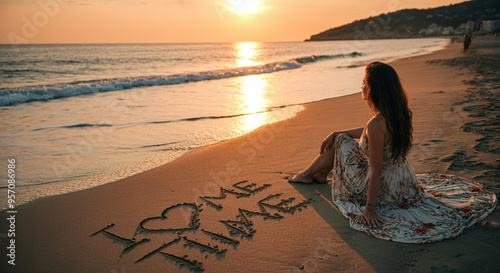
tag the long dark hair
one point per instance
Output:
(387, 95)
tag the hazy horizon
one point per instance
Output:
(171, 21)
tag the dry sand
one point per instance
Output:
(53, 234)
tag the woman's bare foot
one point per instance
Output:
(301, 178)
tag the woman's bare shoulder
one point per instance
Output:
(378, 124)
(377, 121)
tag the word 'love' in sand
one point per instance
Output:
(241, 227)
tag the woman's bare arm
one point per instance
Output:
(375, 133)
(328, 142)
(354, 133)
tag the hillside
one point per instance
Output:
(458, 19)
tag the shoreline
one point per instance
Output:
(50, 188)
(56, 188)
(55, 230)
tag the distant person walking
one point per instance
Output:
(467, 41)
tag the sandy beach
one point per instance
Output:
(135, 225)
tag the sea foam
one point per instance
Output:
(14, 96)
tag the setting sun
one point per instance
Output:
(245, 6)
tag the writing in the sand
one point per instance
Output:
(239, 228)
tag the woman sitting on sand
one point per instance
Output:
(375, 186)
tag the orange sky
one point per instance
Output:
(177, 21)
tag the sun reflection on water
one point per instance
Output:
(248, 54)
(254, 90)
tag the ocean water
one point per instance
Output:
(79, 116)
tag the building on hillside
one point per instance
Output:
(490, 25)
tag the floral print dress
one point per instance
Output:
(414, 208)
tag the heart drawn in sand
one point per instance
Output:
(175, 223)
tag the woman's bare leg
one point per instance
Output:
(322, 176)
(317, 170)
